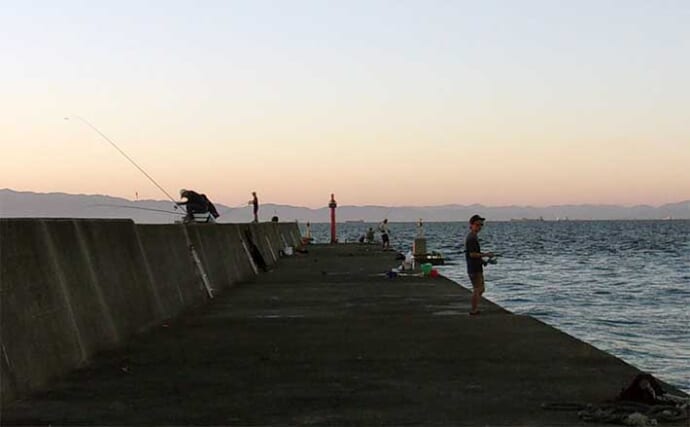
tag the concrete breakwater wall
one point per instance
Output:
(70, 288)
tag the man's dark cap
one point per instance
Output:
(476, 218)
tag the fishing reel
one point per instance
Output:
(493, 261)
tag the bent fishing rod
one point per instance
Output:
(111, 142)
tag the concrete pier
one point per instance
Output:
(325, 338)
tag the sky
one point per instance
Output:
(380, 102)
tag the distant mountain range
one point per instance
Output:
(28, 204)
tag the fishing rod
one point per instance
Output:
(490, 260)
(137, 207)
(495, 254)
(388, 212)
(87, 123)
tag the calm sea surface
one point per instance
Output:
(622, 286)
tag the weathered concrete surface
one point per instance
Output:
(70, 288)
(325, 339)
(165, 248)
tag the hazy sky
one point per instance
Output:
(381, 102)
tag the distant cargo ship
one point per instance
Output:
(540, 219)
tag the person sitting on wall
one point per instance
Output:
(197, 207)
(211, 207)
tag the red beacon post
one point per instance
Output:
(332, 204)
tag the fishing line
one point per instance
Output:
(137, 207)
(388, 212)
(87, 123)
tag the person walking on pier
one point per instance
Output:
(475, 261)
(255, 203)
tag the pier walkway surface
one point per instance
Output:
(325, 338)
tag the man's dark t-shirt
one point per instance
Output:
(474, 265)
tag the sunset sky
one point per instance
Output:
(380, 102)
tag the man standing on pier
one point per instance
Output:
(255, 206)
(475, 261)
(385, 232)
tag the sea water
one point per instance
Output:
(622, 286)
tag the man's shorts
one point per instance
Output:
(477, 280)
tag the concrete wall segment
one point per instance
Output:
(209, 246)
(118, 263)
(70, 288)
(236, 257)
(253, 237)
(38, 330)
(166, 252)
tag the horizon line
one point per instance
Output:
(449, 205)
